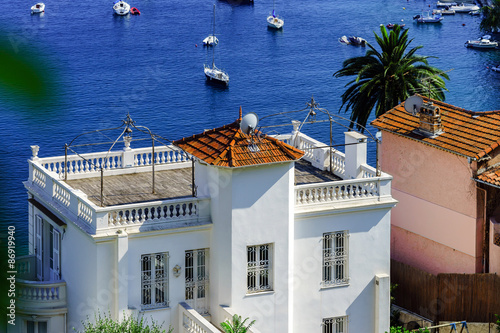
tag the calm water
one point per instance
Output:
(150, 66)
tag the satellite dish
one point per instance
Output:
(413, 104)
(249, 122)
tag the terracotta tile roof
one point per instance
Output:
(491, 176)
(228, 146)
(467, 133)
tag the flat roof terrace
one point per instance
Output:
(169, 184)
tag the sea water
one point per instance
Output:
(151, 66)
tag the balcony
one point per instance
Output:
(37, 297)
(124, 196)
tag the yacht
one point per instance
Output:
(482, 43)
(464, 8)
(121, 8)
(38, 8)
(273, 21)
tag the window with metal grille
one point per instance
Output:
(335, 325)
(259, 268)
(335, 258)
(196, 274)
(154, 280)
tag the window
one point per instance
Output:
(36, 326)
(154, 280)
(335, 258)
(335, 325)
(259, 269)
(196, 274)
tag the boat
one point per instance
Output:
(392, 26)
(357, 41)
(464, 8)
(482, 43)
(135, 11)
(211, 40)
(434, 18)
(273, 21)
(121, 8)
(475, 12)
(38, 8)
(496, 68)
(212, 73)
(344, 40)
(445, 4)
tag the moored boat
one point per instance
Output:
(121, 8)
(38, 8)
(135, 11)
(482, 43)
(434, 18)
(445, 4)
(464, 8)
(273, 21)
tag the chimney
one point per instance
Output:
(355, 154)
(430, 120)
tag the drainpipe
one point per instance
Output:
(486, 233)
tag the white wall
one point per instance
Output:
(369, 247)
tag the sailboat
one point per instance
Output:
(273, 21)
(213, 73)
(211, 40)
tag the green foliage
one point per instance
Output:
(491, 17)
(104, 323)
(385, 78)
(236, 325)
(395, 314)
(497, 322)
(399, 329)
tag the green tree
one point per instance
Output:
(497, 317)
(236, 325)
(104, 323)
(491, 17)
(384, 79)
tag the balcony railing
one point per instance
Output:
(25, 267)
(190, 321)
(41, 294)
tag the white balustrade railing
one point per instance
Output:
(190, 321)
(90, 164)
(185, 209)
(40, 294)
(343, 190)
(25, 267)
(368, 171)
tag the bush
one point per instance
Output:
(400, 329)
(497, 322)
(104, 323)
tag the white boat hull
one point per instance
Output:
(121, 8)
(275, 22)
(38, 8)
(481, 44)
(464, 8)
(215, 75)
(210, 41)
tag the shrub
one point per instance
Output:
(104, 323)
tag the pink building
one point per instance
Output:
(446, 167)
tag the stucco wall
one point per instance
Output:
(368, 255)
(437, 206)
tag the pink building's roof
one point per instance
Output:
(467, 133)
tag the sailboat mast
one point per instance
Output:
(213, 39)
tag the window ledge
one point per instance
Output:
(267, 292)
(154, 309)
(330, 286)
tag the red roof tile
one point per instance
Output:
(468, 133)
(228, 146)
(491, 176)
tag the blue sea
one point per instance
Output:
(151, 66)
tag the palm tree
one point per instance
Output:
(236, 326)
(491, 17)
(385, 79)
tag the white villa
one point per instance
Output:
(284, 230)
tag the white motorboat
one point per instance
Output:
(38, 8)
(464, 8)
(121, 8)
(496, 68)
(443, 11)
(434, 18)
(482, 43)
(212, 73)
(344, 40)
(211, 40)
(273, 21)
(475, 12)
(445, 4)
